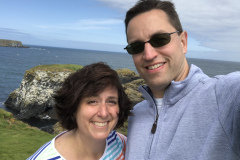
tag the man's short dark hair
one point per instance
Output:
(146, 5)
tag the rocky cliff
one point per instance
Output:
(34, 96)
(11, 43)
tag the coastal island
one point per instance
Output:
(11, 43)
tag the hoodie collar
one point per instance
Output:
(177, 90)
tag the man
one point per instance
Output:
(186, 115)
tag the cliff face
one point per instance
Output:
(34, 96)
(11, 43)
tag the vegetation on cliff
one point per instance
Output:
(55, 68)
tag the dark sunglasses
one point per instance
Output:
(157, 40)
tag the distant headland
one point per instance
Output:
(11, 43)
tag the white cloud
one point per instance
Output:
(85, 24)
(13, 32)
(215, 24)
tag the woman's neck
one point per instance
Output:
(72, 145)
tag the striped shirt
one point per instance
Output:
(114, 150)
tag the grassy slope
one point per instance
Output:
(19, 140)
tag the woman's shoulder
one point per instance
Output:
(123, 137)
(47, 151)
(44, 151)
(115, 147)
(114, 135)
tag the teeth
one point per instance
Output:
(155, 66)
(100, 124)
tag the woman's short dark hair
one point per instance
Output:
(146, 5)
(88, 81)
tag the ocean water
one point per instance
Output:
(15, 61)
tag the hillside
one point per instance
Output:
(19, 140)
(11, 43)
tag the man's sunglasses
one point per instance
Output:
(157, 40)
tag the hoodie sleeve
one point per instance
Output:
(228, 99)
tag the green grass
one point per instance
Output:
(18, 140)
(56, 67)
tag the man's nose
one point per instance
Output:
(149, 52)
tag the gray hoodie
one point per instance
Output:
(199, 120)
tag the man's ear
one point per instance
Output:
(184, 37)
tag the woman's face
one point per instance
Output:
(97, 116)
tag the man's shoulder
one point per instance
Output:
(231, 75)
(141, 105)
(229, 80)
(227, 91)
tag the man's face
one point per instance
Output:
(158, 66)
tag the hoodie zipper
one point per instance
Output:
(154, 126)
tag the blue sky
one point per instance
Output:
(213, 26)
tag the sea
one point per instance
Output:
(15, 61)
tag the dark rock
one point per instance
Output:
(131, 90)
(127, 75)
(48, 129)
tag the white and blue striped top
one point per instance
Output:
(115, 149)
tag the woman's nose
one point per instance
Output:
(103, 110)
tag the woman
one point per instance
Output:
(90, 105)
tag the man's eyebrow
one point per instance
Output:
(158, 32)
(154, 34)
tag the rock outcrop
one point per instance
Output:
(131, 81)
(11, 43)
(34, 96)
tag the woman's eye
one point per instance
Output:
(112, 102)
(92, 102)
